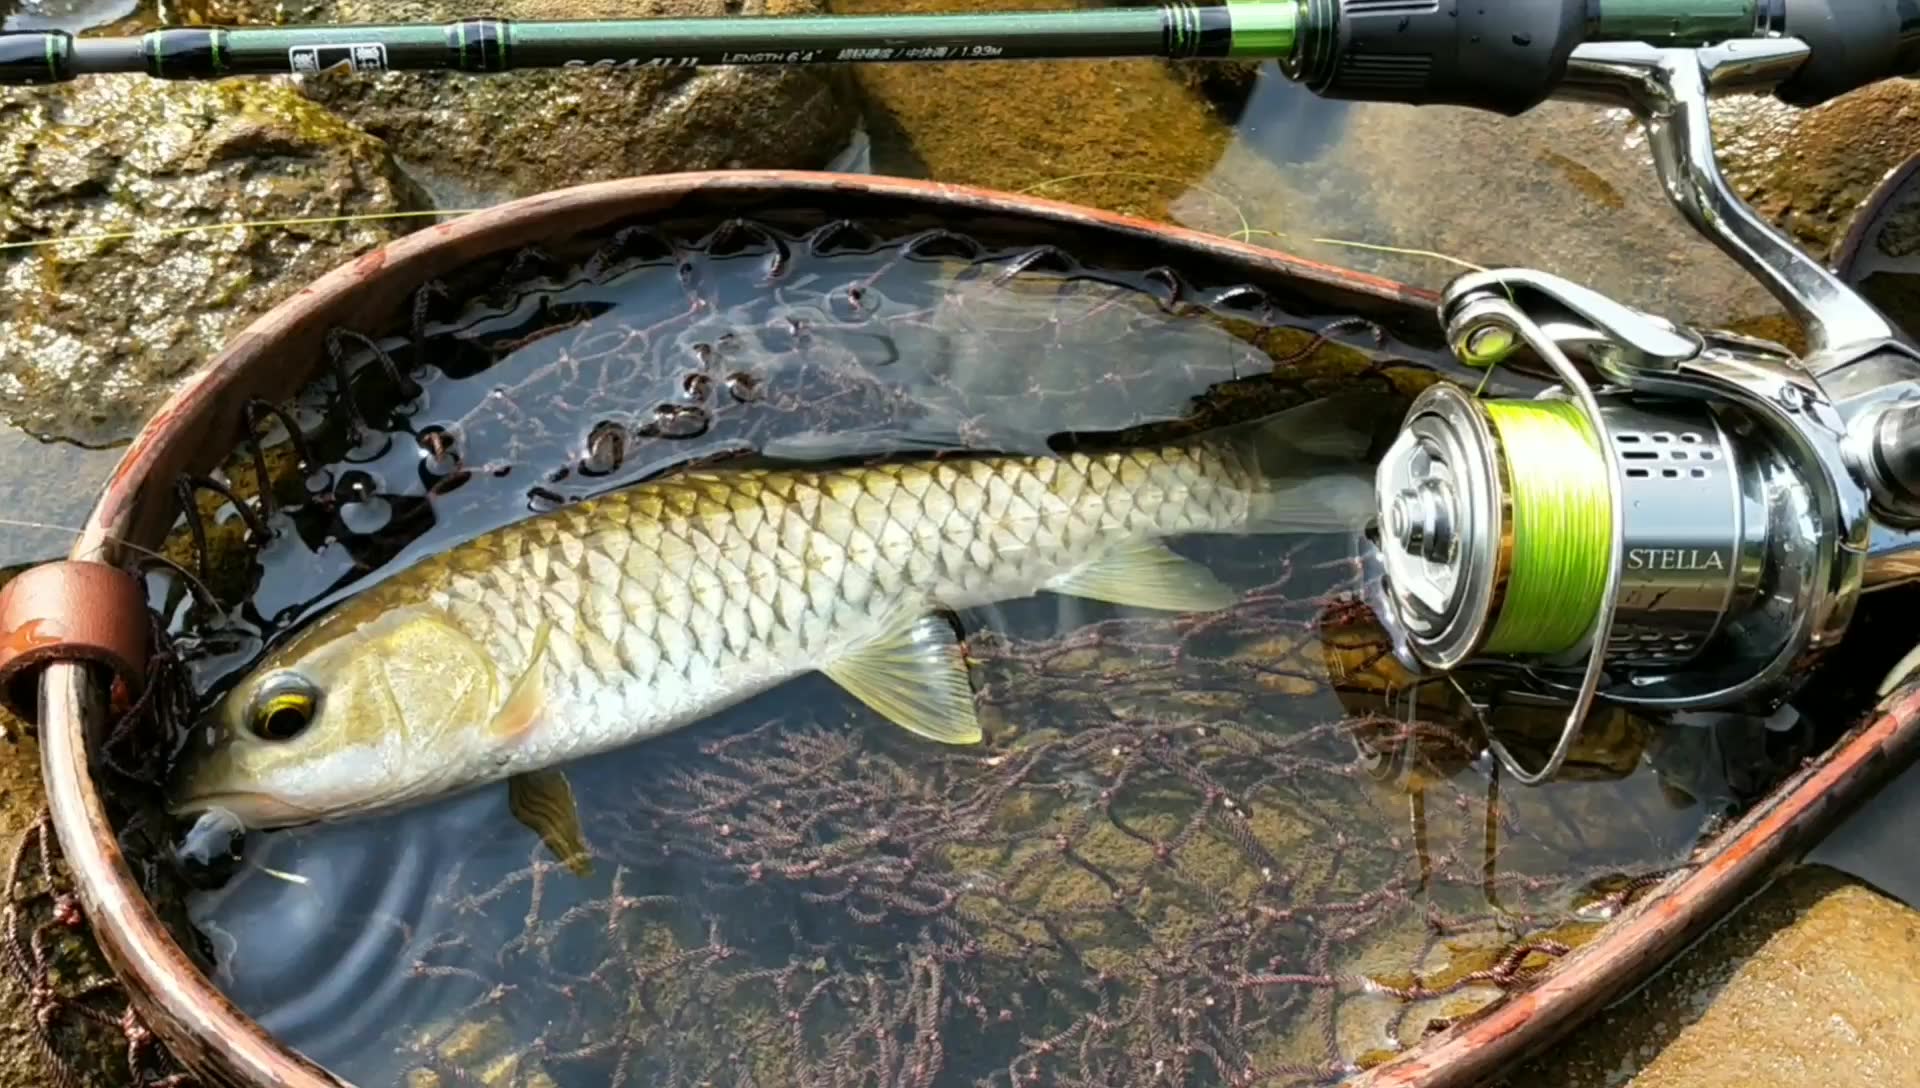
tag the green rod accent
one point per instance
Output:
(1263, 28)
(1301, 34)
(1662, 22)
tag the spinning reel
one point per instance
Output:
(1682, 520)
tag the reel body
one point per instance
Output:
(1698, 521)
(1726, 580)
(1682, 520)
(1712, 484)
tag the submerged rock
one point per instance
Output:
(95, 331)
(482, 138)
(1226, 84)
(1568, 188)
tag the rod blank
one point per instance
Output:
(1178, 29)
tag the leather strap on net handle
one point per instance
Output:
(72, 610)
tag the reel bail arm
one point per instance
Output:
(1853, 350)
(1482, 317)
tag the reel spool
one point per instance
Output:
(1671, 524)
(1495, 528)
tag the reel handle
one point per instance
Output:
(1668, 90)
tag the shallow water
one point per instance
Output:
(1190, 850)
(419, 941)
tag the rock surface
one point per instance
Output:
(55, 494)
(1815, 983)
(1807, 170)
(95, 331)
(1126, 135)
(479, 139)
(1566, 188)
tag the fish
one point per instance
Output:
(637, 612)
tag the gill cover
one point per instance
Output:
(399, 696)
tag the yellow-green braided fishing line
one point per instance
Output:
(1562, 527)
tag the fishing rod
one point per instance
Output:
(1503, 55)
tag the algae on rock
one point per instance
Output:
(518, 133)
(1128, 136)
(1807, 171)
(95, 331)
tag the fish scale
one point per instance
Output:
(613, 620)
(729, 581)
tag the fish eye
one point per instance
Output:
(283, 708)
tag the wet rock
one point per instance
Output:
(482, 138)
(49, 484)
(96, 330)
(1815, 983)
(1567, 188)
(1808, 170)
(68, 15)
(1226, 84)
(1128, 136)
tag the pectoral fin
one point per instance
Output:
(528, 699)
(916, 678)
(1147, 575)
(543, 800)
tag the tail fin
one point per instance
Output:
(1316, 462)
(1337, 501)
(1343, 428)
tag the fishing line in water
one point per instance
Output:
(1561, 521)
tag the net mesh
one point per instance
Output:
(65, 997)
(1166, 898)
(1237, 849)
